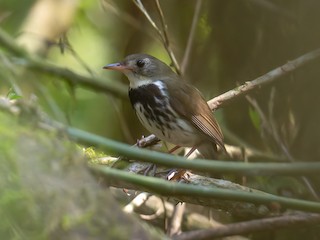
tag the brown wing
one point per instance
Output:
(196, 110)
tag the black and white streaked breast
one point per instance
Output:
(151, 104)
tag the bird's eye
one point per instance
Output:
(140, 63)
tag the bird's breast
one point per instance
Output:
(152, 106)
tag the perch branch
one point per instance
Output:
(269, 77)
(239, 168)
(201, 193)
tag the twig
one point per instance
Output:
(289, 221)
(176, 219)
(269, 77)
(187, 52)
(283, 146)
(127, 18)
(269, 126)
(163, 36)
(166, 39)
(64, 43)
(74, 79)
(136, 202)
(264, 79)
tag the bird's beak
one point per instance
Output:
(117, 67)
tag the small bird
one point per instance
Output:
(168, 107)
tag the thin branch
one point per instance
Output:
(97, 84)
(269, 77)
(269, 126)
(264, 79)
(189, 192)
(176, 219)
(163, 36)
(127, 18)
(288, 221)
(195, 20)
(166, 39)
(283, 146)
(136, 202)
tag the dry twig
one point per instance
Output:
(267, 224)
(195, 20)
(163, 34)
(264, 79)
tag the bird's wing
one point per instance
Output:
(188, 102)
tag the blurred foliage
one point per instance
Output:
(47, 191)
(236, 41)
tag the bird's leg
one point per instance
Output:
(191, 151)
(178, 174)
(151, 168)
(174, 149)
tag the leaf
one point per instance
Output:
(255, 118)
(12, 95)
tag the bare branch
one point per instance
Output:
(166, 39)
(176, 220)
(270, 126)
(288, 221)
(97, 84)
(252, 85)
(163, 36)
(264, 79)
(195, 20)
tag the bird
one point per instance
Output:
(169, 107)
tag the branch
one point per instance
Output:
(74, 79)
(200, 194)
(166, 39)
(163, 36)
(163, 159)
(183, 192)
(270, 128)
(187, 52)
(264, 79)
(269, 77)
(288, 221)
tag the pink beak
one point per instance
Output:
(117, 67)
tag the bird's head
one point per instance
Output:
(142, 69)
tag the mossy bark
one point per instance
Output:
(47, 191)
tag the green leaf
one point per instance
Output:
(12, 95)
(255, 118)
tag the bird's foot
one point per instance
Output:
(173, 149)
(152, 168)
(177, 175)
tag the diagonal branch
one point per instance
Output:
(249, 86)
(97, 84)
(162, 34)
(195, 20)
(264, 79)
